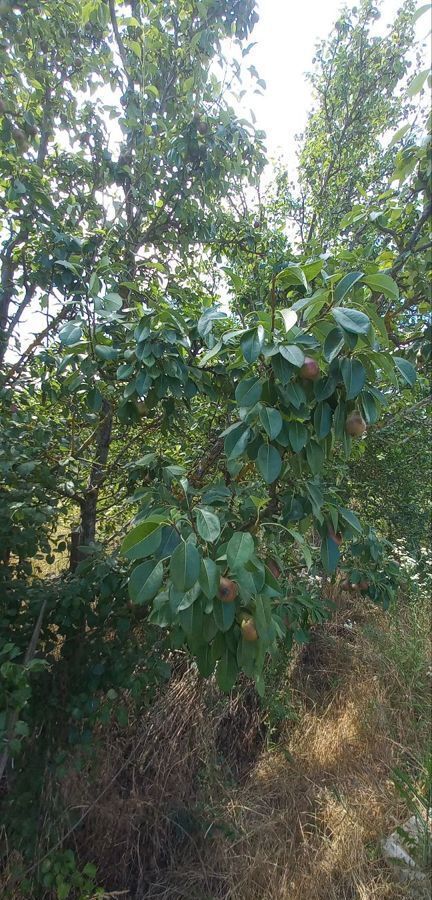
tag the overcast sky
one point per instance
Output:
(286, 35)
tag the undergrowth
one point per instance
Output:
(203, 797)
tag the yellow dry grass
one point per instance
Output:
(193, 802)
(309, 818)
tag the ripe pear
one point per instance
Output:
(228, 590)
(248, 630)
(355, 424)
(310, 369)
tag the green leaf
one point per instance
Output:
(227, 671)
(351, 320)
(312, 269)
(204, 661)
(383, 284)
(248, 391)
(205, 322)
(252, 343)
(188, 597)
(345, 284)
(185, 566)
(224, 614)
(325, 387)
(333, 344)
(282, 369)
(298, 436)
(350, 518)
(421, 11)
(322, 420)
(70, 334)
(210, 354)
(315, 457)
(271, 420)
(400, 133)
(289, 318)
(330, 554)
(240, 548)
(339, 419)
(143, 540)
(209, 578)
(295, 394)
(292, 354)
(292, 275)
(269, 463)
(354, 377)
(106, 353)
(145, 581)
(417, 83)
(371, 408)
(250, 579)
(236, 441)
(192, 620)
(208, 525)
(406, 369)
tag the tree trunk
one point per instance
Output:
(87, 529)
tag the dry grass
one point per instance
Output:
(193, 803)
(307, 821)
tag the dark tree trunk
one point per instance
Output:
(87, 529)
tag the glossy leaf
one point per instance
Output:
(298, 436)
(315, 457)
(240, 549)
(185, 566)
(345, 284)
(289, 318)
(145, 581)
(351, 320)
(252, 343)
(142, 541)
(209, 578)
(322, 419)
(271, 420)
(248, 392)
(383, 284)
(236, 441)
(208, 525)
(333, 344)
(354, 377)
(292, 354)
(330, 554)
(406, 369)
(350, 518)
(224, 614)
(227, 671)
(269, 463)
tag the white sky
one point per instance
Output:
(286, 36)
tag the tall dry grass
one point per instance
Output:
(201, 800)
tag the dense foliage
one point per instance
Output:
(181, 454)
